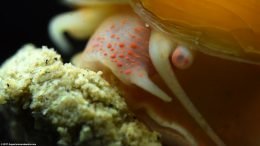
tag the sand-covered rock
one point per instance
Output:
(81, 106)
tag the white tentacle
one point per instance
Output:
(160, 48)
(79, 24)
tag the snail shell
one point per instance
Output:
(228, 29)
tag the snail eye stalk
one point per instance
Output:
(160, 48)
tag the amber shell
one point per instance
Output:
(224, 28)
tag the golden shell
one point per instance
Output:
(224, 28)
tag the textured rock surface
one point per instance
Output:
(77, 104)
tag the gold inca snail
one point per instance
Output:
(212, 98)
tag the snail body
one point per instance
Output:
(153, 47)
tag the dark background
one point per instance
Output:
(26, 21)
(21, 22)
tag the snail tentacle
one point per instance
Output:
(180, 136)
(78, 24)
(160, 48)
(146, 83)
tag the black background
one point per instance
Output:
(26, 21)
(21, 22)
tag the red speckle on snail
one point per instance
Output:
(126, 56)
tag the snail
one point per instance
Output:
(148, 44)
